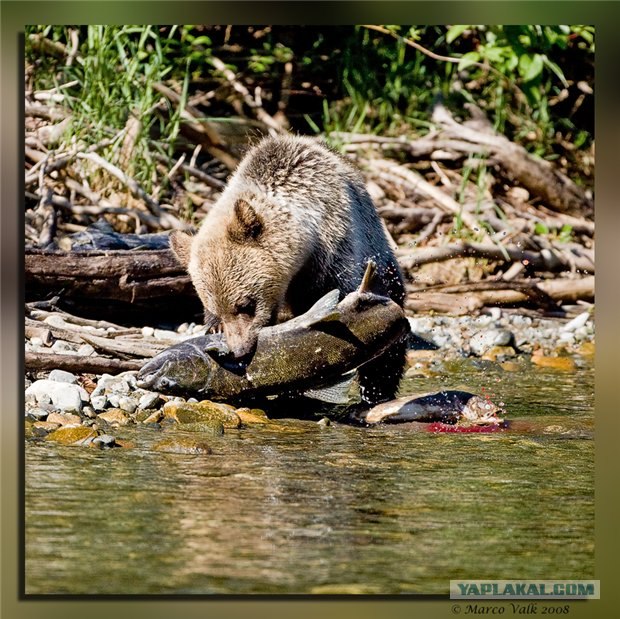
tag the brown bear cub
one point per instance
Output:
(294, 222)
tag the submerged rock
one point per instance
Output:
(182, 445)
(72, 435)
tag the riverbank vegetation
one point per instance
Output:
(477, 143)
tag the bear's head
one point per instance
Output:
(240, 276)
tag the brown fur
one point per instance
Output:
(294, 222)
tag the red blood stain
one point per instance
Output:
(437, 426)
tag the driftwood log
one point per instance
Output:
(135, 286)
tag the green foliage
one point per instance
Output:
(528, 79)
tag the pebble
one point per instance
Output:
(104, 440)
(38, 414)
(55, 320)
(61, 376)
(148, 331)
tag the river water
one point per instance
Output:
(293, 507)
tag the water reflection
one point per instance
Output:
(294, 507)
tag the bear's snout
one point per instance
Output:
(241, 336)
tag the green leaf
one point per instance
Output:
(468, 59)
(530, 66)
(541, 228)
(454, 32)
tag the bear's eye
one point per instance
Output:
(246, 307)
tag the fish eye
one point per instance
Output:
(246, 307)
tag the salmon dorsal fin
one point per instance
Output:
(325, 309)
(369, 276)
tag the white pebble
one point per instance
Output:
(148, 331)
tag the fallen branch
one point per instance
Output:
(249, 100)
(537, 176)
(419, 184)
(473, 299)
(545, 260)
(36, 361)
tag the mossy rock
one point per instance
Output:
(72, 435)
(212, 427)
(250, 416)
(205, 411)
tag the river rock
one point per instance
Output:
(115, 417)
(64, 419)
(150, 399)
(127, 404)
(482, 341)
(182, 445)
(104, 440)
(37, 413)
(64, 396)
(72, 435)
(43, 428)
(251, 416)
(98, 402)
(205, 411)
(212, 427)
(60, 376)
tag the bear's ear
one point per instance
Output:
(181, 243)
(247, 224)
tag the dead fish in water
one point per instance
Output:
(303, 355)
(460, 408)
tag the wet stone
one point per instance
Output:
(104, 441)
(154, 417)
(64, 419)
(499, 353)
(251, 416)
(37, 414)
(182, 445)
(43, 428)
(115, 416)
(205, 411)
(213, 427)
(72, 435)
